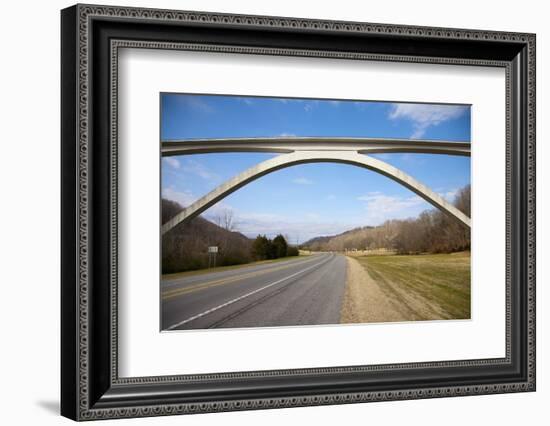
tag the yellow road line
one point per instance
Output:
(230, 302)
(170, 294)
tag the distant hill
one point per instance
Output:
(431, 232)
(185, 247)
(317, 240)
(336, 242)
(326, 238)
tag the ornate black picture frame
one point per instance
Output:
(91, 36)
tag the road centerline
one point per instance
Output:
(230, 302)
(172, 293)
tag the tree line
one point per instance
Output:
(432, 232)
(264, 248)
(185, 247)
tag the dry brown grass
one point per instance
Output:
(407, 288)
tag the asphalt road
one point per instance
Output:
(302, 291)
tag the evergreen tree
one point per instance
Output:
(280, 246)
(261, 247)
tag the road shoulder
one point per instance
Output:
(364, 301)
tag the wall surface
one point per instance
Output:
(29, 225)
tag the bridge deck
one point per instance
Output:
(293, 144)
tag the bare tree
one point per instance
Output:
(186, 246)
(433, 231)
(226, 219)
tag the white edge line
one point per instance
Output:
(230, 302)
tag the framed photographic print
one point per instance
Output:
(263, 212)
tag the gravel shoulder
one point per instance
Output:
(364, 300)
(389, 289)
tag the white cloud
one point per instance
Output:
(424, 116)
(172, 162)
(312, 216)
(196, 168)
(183, 198)
(198, 103)
(302, 181)
(261, 217)
(251, 224)
(218, 210)
(287, 135)
(449, 195)
(412, 158)
(246, 101)
(382, 207)
(309, 105)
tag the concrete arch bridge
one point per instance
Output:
(294, 151)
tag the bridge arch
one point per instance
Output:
(303, 157)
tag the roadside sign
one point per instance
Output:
(212, 253)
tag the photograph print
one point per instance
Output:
(305, 212)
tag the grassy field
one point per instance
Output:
(431, 286)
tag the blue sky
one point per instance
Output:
(312, 199)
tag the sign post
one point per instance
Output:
(212, 252)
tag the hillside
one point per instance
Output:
(186, 246)
(432, 232)
(317, 243)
